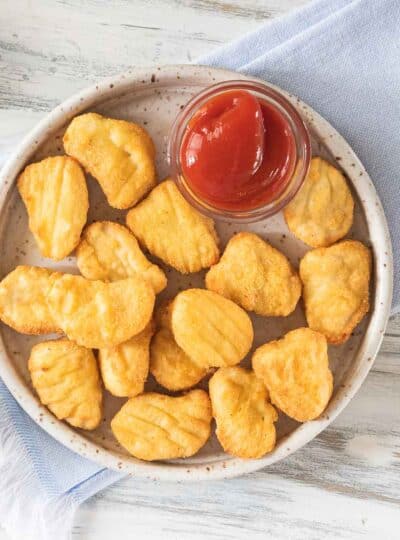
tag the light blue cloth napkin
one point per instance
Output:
(42, 483)
(343, 58)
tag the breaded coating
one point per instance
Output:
(212, 330)
(23, 300)
(66, 378)
(169, 364)
(245, 418)
(108, 251)
(154, 427)
(124, 368)
(296, 372)
(56, 198)
(336, 288)
(118, 154)
(173, 231)
(322, 211)
(256, 276)
(101, 315)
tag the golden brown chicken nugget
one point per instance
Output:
(66, 378)
(256, 276)
(173, 231)
(212, 330)
(322, 211)
(100, 315)
(23, 300)
(124, 368)
(336, 288)
(56, 198)
(153, 426)
(169, 364)
(245, 418)
(118, 154)
(109, 252)
(296, 372)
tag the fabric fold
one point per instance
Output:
(241, 52)
(42, 483)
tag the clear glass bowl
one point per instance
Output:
(300, 135)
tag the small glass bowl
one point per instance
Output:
(300, 134)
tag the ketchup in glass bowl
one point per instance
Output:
(239, 151)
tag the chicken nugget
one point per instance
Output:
(245, 418)
(67, 381)
(109, 252)
(153, 426)
(336, 288)
(101, 315)
(124, 368)
(173, 231)
(256, 276)
(169, 364)
(212, 330)
(118, 154)
(322, 211)
(23, 300)
(56, 198)
(296, 372)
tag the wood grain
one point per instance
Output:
(343, 485)
(49, 49)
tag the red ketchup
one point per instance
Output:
(238, 152)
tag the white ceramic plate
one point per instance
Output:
(152, 97)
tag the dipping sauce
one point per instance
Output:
(238, 152)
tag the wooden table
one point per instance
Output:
(346, 483)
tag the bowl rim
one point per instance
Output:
(227, 467)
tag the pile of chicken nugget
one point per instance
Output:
(199, 334)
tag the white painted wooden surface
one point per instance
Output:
(346, 483)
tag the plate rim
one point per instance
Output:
(229, 466)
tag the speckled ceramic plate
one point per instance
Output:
(152, 97)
